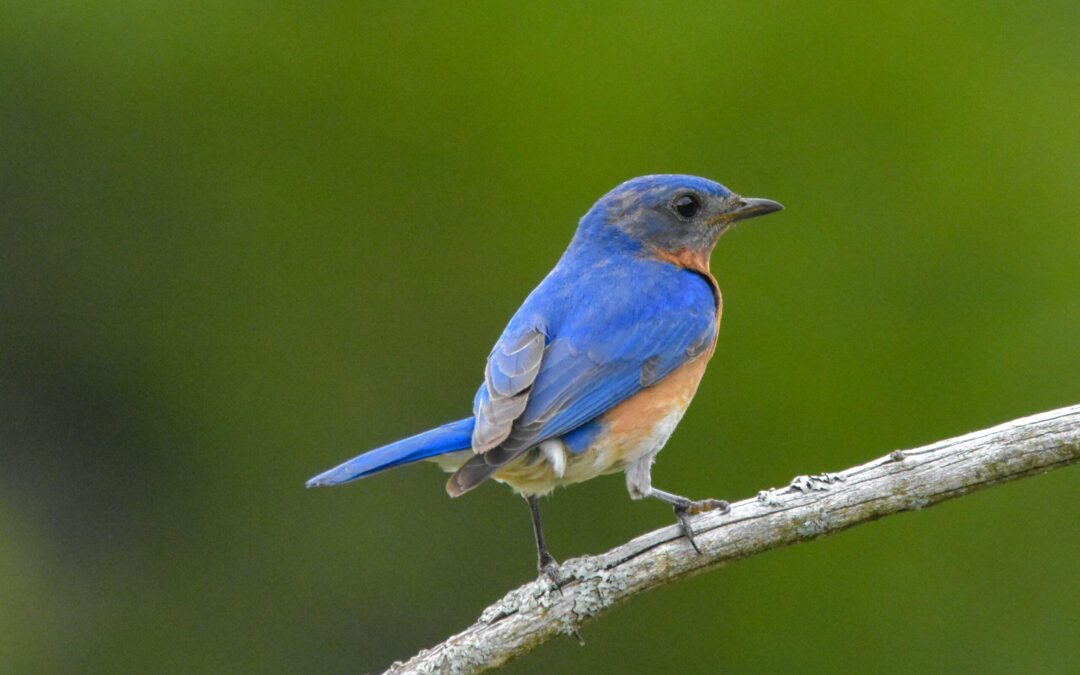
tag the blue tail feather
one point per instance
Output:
(441, 440)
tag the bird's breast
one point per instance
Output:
(635, 428)
(641, 424)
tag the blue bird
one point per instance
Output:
(597, 367)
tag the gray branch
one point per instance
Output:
(811, 506)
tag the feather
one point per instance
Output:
(624, 335)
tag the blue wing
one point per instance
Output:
(604, 339)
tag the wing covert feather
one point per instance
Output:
(511, 370)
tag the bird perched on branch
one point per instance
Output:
(597, 367)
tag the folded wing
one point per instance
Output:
(537, 387)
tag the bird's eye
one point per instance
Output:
(687, 206)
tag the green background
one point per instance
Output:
(240, 242)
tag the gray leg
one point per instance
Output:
(639, 484)
(545, 563)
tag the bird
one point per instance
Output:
(597, 367)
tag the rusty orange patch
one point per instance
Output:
(637, 416)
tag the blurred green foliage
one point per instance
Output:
(240, 242)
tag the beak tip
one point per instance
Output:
(752, 207)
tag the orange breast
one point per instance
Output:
(635, 419)
(636, 428)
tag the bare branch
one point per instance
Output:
(810, 507)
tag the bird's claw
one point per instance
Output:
(683, 516)
(693, 508)
(548, 568)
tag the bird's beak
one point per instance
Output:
(745, 208)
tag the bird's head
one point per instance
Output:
(674, 215)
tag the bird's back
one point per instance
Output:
(614, 323)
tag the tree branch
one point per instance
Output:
(811, 506)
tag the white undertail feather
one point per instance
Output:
(554, 451)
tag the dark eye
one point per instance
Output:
(687, 206)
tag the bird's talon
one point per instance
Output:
(683, 516)
(551, 574)
(549, 569)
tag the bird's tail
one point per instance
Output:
(447, 438)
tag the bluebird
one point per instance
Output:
(597, 367)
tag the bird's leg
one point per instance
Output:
(639, 485)
(684, 508)
(545, 562)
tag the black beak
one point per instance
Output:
(745, 208)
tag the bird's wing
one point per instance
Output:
(511, 370)
(539, 387)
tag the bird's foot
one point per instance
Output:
(548, 568)
(693, 508)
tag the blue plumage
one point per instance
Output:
(447, 438)
(601, 327)
(600, 337)
(596, 368)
